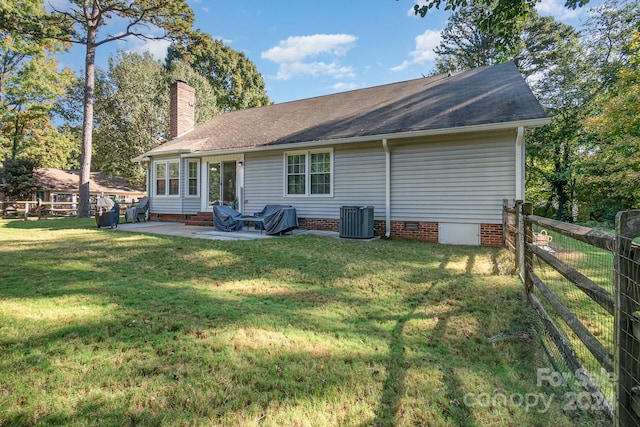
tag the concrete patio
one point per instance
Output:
(201, 232)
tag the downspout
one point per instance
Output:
(520, 165)
(387, 195)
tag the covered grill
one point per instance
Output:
(107, 213)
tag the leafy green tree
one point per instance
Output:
(26, 20)
(465, 45)
(233, 76)
(30, 93)
(29, 87)
(131, 113)
(503, 17)
(565, 153)
(207, 96)
(132, 109)
(86, 21)
(611, 171)
(554, 150)
(17, 179)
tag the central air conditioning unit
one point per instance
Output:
(356, 222)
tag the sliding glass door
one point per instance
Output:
(223, 184)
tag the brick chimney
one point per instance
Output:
(182, 111)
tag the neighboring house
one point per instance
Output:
(435, 156)
(59, 185)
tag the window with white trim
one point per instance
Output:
(296, 174)
(168, 178)
(309, 173)
(174, 178)
(320, 173)
(193, 183)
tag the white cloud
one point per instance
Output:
(425, 44)
(157, 48)
(556, 9)
(343, 86)
(293, 55)
(289, 70)
(297, 48)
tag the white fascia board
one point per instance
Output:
(179, 151)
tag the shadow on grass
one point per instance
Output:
(128, 329)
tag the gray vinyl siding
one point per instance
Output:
(456, 179)
(462, 181)
(358, 179)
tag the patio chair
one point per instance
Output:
(268, 210)
(275, 219)
(225, 218)
(281, 221)
(137, 212)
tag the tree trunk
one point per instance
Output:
(87, 123)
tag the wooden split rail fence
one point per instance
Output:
(27, 209)
(619, 355)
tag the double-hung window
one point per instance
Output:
(193, 175)
(168, 178)
(309, 173)
(296, 174)
(320, 173)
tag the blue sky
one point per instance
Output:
(310, 48)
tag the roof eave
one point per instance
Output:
(147, 156)
(530, 123)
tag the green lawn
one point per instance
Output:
(104, 327)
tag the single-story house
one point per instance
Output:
(435, 156)
(59, 185)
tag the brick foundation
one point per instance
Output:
(415, 230)
(319, 224)
(169, 217)
(425, 231)
(491, 235)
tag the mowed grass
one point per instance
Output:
(106, 327)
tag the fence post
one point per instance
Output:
(527, 254)
(519, 239)
(505, 222)
(627, 321)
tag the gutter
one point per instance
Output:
(520, 165)
(387, 195)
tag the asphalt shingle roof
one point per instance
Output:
(487, 95)
(67, 180)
